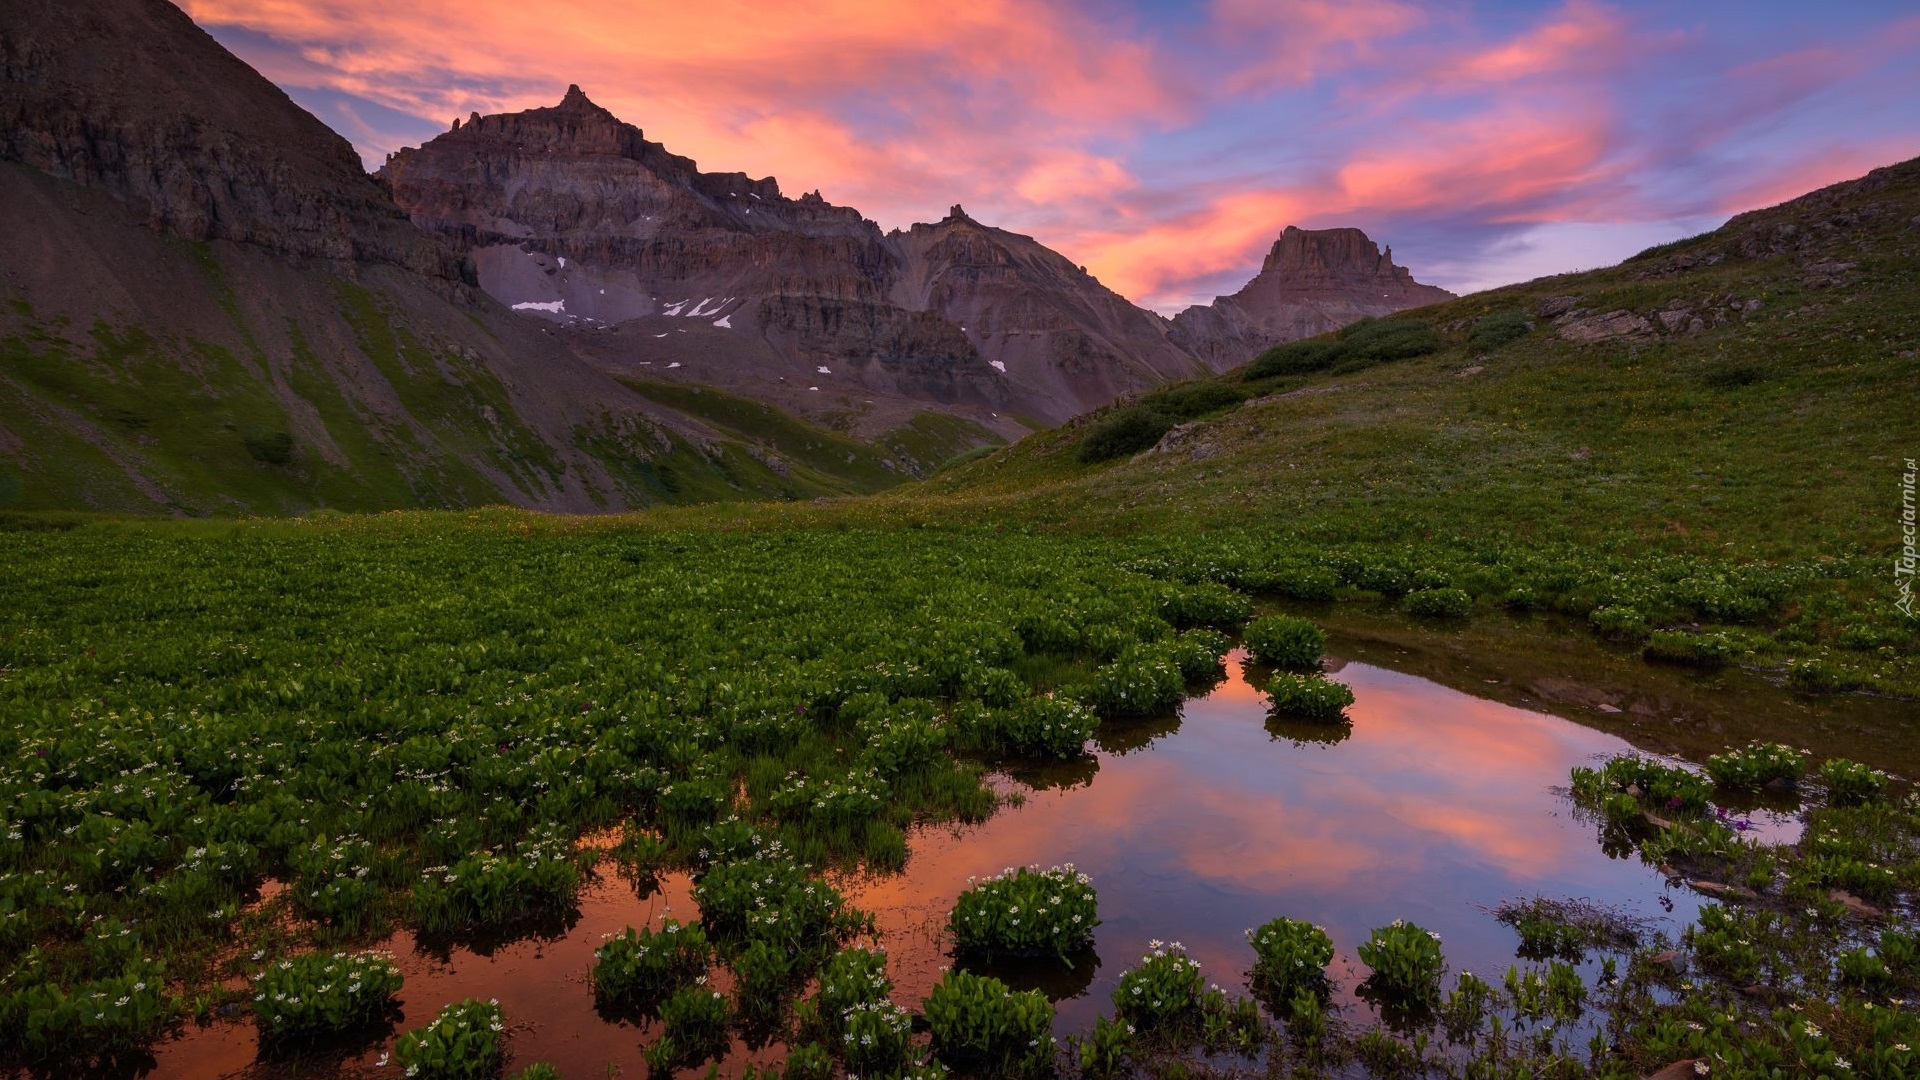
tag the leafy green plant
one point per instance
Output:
(1621, 623)
(321, 993)
(1372, 341)
(979, 1022)
(642, 967)
(1141, 681)
(1724, 941)
(1286, 642)
(487, 889)
(1296, 358)
(1311, 697)
(875, 1038)
(1439, 603)
(1206, 604)
(1850, 783)
(462, 1041)
(1162, 993)
(1104, 1051)
(1291, 956)
(1496, 330)
(117, 1013)
(808, 1061)
(1406, 962)
(850, 977)
(1037, 727)
(1026, 911)
(771, 896)
(1756, 766)
(1124, 431)
(1192, 400)
(694, 1021)
(1708, 651)
(1633, 782)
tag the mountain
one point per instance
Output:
(208, 306)
(1313, 281)
(653, 266)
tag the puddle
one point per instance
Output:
(1432, 806)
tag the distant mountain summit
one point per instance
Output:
(570, 214)
(1313, 281)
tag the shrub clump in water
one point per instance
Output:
(1286, 641)
(1310, 697)
(1027, 911)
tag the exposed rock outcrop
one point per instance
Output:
(130, 97)
(1313, 281)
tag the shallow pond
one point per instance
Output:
(1432, 806)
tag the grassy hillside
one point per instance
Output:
(1776, 427)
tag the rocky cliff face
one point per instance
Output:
(130, 97)
(1313, 281)
(574, 216)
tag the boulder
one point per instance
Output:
(1612, 326)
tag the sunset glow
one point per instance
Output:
(1165, 145)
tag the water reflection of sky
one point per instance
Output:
(1434, 806)
(1431, 806)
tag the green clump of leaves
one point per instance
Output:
(463, 1042)
(1037, 727)
(1193, 400)
(1707, 651)
(1850, 783)
(1643, 783)
(1162, 993)
(771, 896)
(1296, 358)
(1310, 697)
(1406, 962)
(1496, 330)
(1105, 1050)
(694, 1022)
(1142, 680)
(1361, 345)
(1291, 956)
(1376, 341)
(978, 1022)
(1124, 431)
(850, 977)
(542, 874)
(1445, 603)
(1286, 641)
(322, 993)
(1757, 765)
(640, 968)
(1026, 911)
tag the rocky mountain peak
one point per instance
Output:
(1312, 281)
(1328, 253)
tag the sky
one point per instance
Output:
(1164, 145)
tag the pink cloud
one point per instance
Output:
(1584, 38)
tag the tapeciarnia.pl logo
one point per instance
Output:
(1904, 565)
